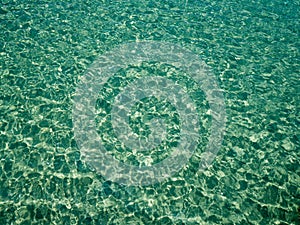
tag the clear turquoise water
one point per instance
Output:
(251, 46)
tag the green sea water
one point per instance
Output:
(252, 47)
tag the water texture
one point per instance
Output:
(252, 47)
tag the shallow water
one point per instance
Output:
(252, 48)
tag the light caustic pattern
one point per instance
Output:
(92, 147)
